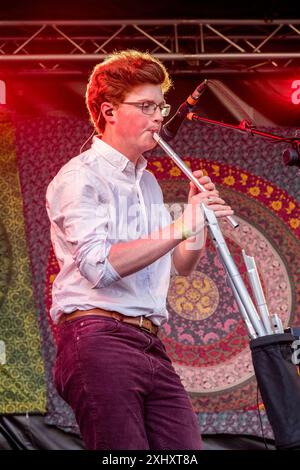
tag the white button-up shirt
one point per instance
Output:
(97, 199)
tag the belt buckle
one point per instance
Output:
(141, 324)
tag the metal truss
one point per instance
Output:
(189, 46)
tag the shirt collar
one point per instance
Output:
(117, 159)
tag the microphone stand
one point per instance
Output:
(289, 158)
(257, 325)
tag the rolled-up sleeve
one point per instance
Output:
(80, 209)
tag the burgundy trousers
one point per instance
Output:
(123, 388)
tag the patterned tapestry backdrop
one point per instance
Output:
(22, 381)
(205, 336)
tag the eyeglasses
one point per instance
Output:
(149, 108)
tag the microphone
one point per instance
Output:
(170, 128)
